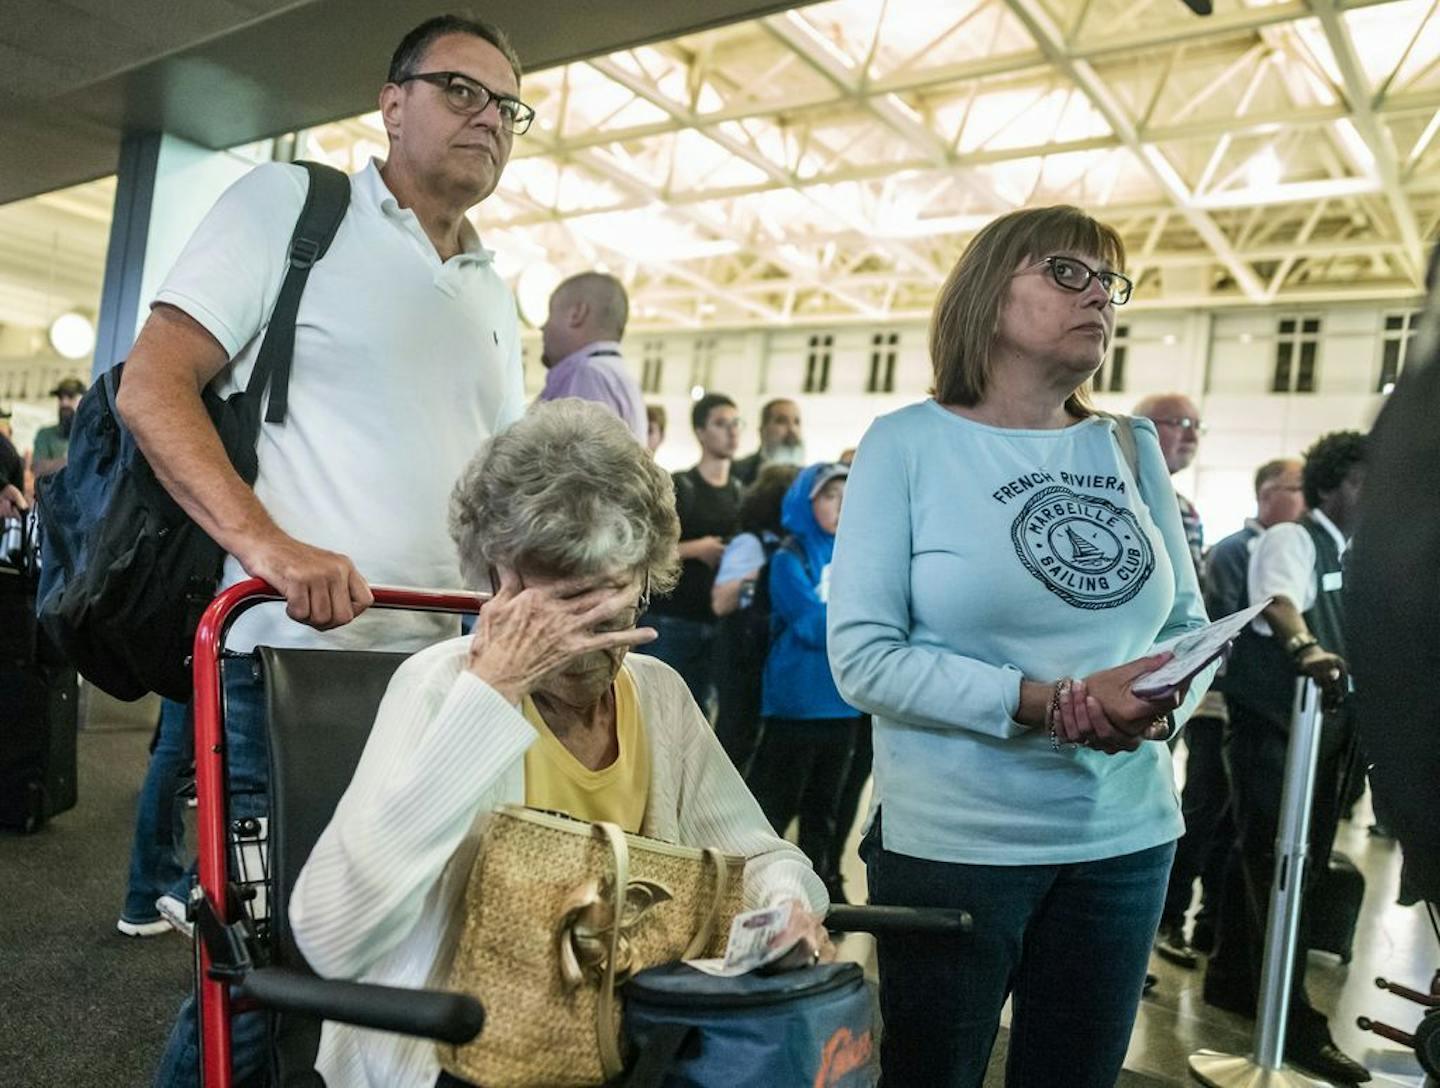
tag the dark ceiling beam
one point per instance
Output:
(306, 65)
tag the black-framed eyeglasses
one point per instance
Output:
(468, 97)
(1075, 275)
(1185, 423)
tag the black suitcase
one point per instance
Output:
(38, 712)
(1332, 907)
(37, 743)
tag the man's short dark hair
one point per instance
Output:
(700, 414)
(405, 61)
(1328, 462)
(770, 406)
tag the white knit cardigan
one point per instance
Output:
(380, 897)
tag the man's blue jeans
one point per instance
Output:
(1067, 943)
(155, 862)
(248, 770)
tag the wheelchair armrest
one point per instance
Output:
(429, 1014)
(918, 921)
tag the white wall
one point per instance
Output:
(1224, 360)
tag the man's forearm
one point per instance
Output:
(725, 596)
(12, 502)
(1319, 663)
(1285, 620)
(692, 549)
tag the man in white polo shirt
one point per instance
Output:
(404, 331)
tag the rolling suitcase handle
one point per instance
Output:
(227, 607)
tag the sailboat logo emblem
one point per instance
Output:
(1085, 554)
(1084, 549)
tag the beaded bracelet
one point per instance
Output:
(1062, 688)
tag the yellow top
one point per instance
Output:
(556, 780)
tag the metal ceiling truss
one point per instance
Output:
(828, 163)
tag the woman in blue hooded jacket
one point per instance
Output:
(810, 731)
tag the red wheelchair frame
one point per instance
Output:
(211, 788)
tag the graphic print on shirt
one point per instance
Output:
(1084, 549)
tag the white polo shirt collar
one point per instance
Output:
(372, 185)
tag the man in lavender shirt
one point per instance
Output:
(581, 347)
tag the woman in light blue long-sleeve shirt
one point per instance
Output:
(1004, 571)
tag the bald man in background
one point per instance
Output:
(581, 348)
(1177, 422)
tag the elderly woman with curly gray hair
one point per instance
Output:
(571, 525)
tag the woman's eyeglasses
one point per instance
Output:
(1075, 275)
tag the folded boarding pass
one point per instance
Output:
(1193, 651)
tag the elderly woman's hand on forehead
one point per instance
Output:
(526, 632)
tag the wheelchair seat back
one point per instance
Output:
(320, 705)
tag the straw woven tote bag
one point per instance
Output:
(540, 949)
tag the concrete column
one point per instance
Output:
(125, 257)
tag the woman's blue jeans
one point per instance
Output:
(1068, 944)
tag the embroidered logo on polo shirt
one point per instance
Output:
(1086, 550)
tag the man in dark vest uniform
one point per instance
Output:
(1204, 850)
(1302, 631)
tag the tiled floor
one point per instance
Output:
(1391, 941)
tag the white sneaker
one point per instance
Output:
(144, 929)
(172, 910)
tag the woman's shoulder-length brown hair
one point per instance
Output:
(967, 312)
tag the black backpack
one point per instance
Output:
(125, 573)
(752, 628)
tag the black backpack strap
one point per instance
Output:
(325, 204)
(769, 544)
(792, 544)
(684, 490)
